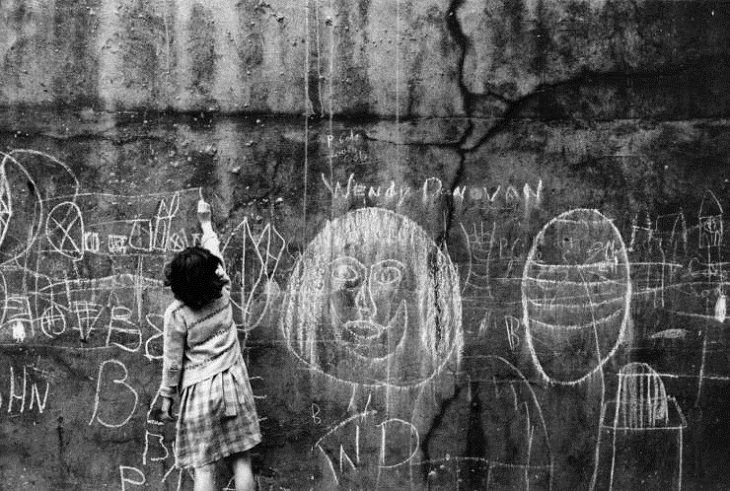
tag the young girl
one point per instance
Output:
(202, 362)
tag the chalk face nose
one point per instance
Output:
(348, 278)
(364, 303)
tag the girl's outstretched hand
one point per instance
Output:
(204, 213)
(165, 411)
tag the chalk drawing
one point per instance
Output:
(6, 204)
(18, 317)
(117, 244)
(506, 417)
(252, 260)
(116, 403)
(512, 327)
(465, 198)
(91, 242)
(315, 413)
(359, 450)
(643, 410)
(131, 475)
(149, 225)
(479, 245)
(23, 192)
(23, 392)
(711, 221)
(120, 323)
(119, 311)
(65, 230)
(140, 236)
(154, 351)
(163, 223)
(373, 301)
(157, 441)
(653, 251)
(576, 292)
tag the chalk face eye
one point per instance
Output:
(387, 274)
(346, 272)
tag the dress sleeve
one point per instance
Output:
(210, 241)
(173, 347)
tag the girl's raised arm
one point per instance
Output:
(210, 239)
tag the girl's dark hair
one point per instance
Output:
(193, 278)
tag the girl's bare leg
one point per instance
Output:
(205, 478)
(241, 464)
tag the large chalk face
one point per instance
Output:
(368, 303)
(373, 301)
(576, 291)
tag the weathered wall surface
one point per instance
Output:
(474, 244)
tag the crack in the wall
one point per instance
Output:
(454, 27)
(588, 79)
(436, 423)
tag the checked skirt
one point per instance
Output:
(217, 418)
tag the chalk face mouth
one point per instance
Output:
(363, 331)
(370, 339)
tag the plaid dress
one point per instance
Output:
(217, 418)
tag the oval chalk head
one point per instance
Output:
(373, 301)
(576, 291)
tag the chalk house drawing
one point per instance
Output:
(646, 430)
(373, 301)
(576, 291)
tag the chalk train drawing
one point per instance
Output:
(374, 302)
(116, 312)
(576, 292)
(252, 260)
(646, 429)
(149, 225)
(503, 441)
(44, 218)
(361, 453)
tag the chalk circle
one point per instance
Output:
(576, 292)
(373, 301)
(6, 204)
(65, 230)
(20, 209)
(28, 180)
(3, 298)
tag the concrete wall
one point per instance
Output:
(448, 137)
